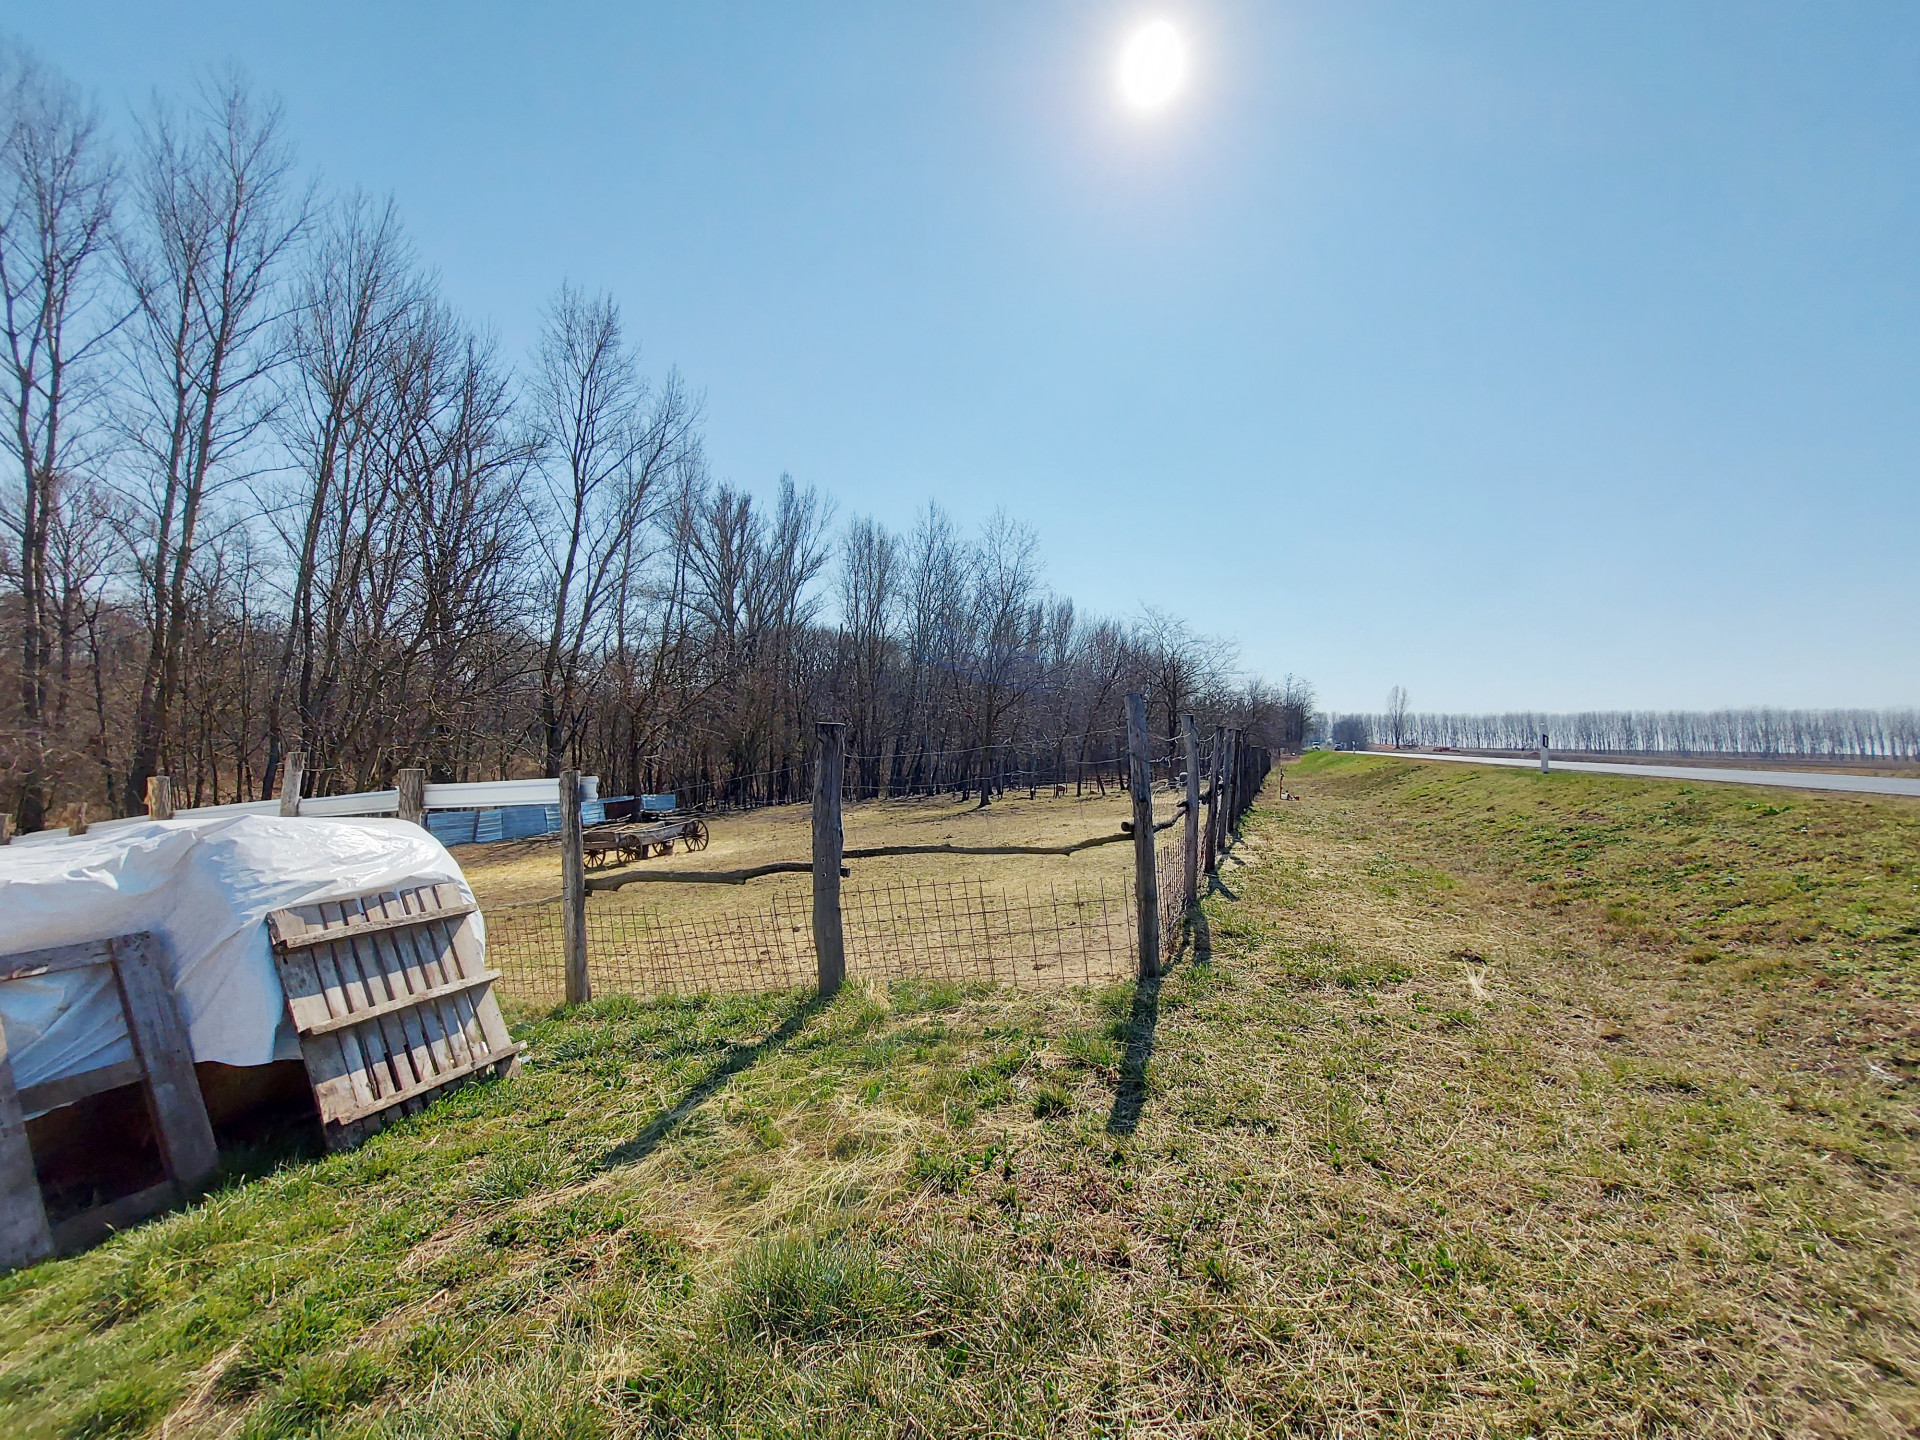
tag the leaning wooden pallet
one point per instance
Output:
(392, 1001)
(162, 1061)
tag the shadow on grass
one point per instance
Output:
(737, 1058)
(1131, 1098)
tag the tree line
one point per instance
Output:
(1757, 730)
(270, 491)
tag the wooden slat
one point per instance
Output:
(290, 929)
(52, 1094)
(497, 1058)
(416, 967)
(89, 1227)
(24, 1234)
(29, 963)
(329, 1070)
(160, 1040)
(460, 1012)
(465, 946)
(412, 1058)
(449, 1012)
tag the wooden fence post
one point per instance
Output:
(573, 891)
(1239, 778)
(829, 841)
(78, 825)
(1215, 771)
(1190, 850)
(412, 785)
(1146, 886)
(159, 797)
(290, 779)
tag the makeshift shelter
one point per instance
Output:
(166, 977)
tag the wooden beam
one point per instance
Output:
(410, 1001)
(573, 883)
(1146, 886)
(1190, 840)
(160, 1040)
(280, 926)
(292, 775)
(92, 1226)
(159, 797)
(829, 840)
(28, 963)
(412, 788)
(24, 1234)
(1214, 766)
(445, 1077)
(52, 1094)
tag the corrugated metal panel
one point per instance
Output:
(453, 827)
(486, 827)
(518, 822)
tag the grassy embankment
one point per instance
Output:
(1501, 1106)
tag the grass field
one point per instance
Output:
(1490, 1105)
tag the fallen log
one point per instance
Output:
(702, 877)
(865, 852)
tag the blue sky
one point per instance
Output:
(1527, 355)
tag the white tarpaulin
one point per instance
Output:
(205, 887)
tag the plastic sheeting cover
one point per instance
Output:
(205, 886)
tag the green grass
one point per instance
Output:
(1492, 1105)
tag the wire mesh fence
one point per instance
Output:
(966, 930)
(963, 931)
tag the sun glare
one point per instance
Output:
(1153, 66)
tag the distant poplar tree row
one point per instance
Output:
(269, 491)
(1855, 734)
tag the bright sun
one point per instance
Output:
(1153, 66)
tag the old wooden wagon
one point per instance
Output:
(620, 843)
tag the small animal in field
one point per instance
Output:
(1058, 791)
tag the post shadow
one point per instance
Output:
(1202, 935)
(1131, 1096)
(737, 1058)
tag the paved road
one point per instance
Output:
(1789, 779)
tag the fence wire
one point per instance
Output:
(961, 930)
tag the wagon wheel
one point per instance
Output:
(695, 835)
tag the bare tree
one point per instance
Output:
(56, 213)
(606, 447)
(215, 217)
(1396, 716)
(352, 305)
(869, 600)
